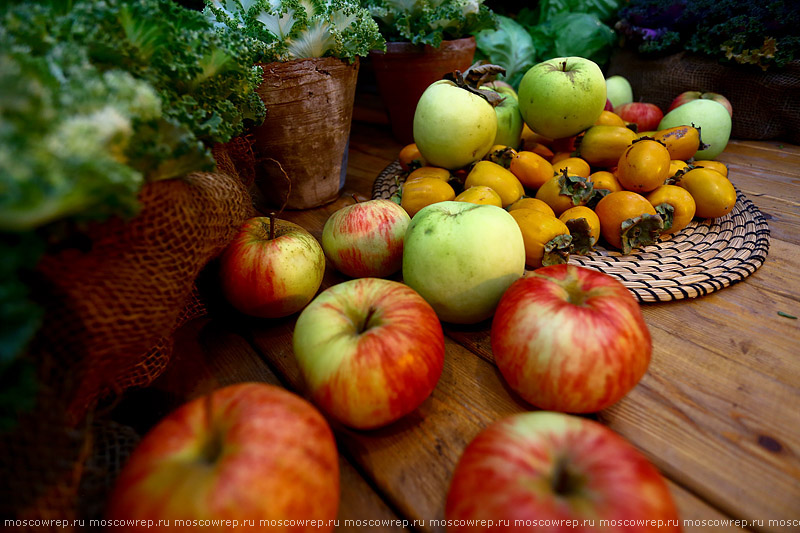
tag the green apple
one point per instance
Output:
(562, 97)
(618, 91)
(710, 116)
(452, 126)
(461, 257)
(509, 119)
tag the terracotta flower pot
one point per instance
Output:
(301, 148)
(405, 70)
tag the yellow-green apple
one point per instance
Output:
(461, 257)
(366, 239)
(563, 96)
(246, 452)
(688, 96)
(572, 339)
(370, 350)
(272, 268)
(646, 116)
(546, 471)
(618, 91)
(509, 119)
(710, 117)
(453, 127)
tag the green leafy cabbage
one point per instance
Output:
(300, 29)
(509, 46)
(574, 34)
(430, 21)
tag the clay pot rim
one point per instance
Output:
(406, 47)
(295, 63)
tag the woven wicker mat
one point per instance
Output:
(704, 257)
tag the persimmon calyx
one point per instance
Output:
(640, 231)
(581, 233)
(667, 214)
(578, 188)
(556, 250)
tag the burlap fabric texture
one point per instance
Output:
(110, 313)
(766, 105)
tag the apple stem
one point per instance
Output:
(563, 66)
(213, 446)
(272, 225)
(365, 324)
(563, 482)
(355, 198)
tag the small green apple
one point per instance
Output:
(562, 97)
(618, 91)
(509, 119)
(452, 126)
(461, 257)
(710, 116)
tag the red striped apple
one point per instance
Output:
(370, 350)
(552, 472)
(646, 116)
(687, 96)
(272, 268)
(567, 338)
(245, 453)
(366, 239)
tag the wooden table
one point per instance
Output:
(718, 412)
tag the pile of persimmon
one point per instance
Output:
(565, 194)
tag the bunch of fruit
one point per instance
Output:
(605, 181)
(473, 213)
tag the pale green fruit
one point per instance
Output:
(562, 97)
(618, 91)
(461, 257)
(509, 119)
(452, 126)
(711, 117)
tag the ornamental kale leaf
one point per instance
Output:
(762, 34)
(96, 98)
(430, 21)
(299, 29)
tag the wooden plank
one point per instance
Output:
(210, 355)
(708, 424)
(731, 400)
(778, 274)
(411, 461)
(763, 154)
(697, 516)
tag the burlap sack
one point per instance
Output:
(766, 105)
(110, 312)
(238, 153)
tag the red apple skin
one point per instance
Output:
(609, 105)
(576, 357)
(370, 351)
(645, 115)
(688, 96)
(271, 278)
(509, 472)
(366, 239)
(277, 460)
